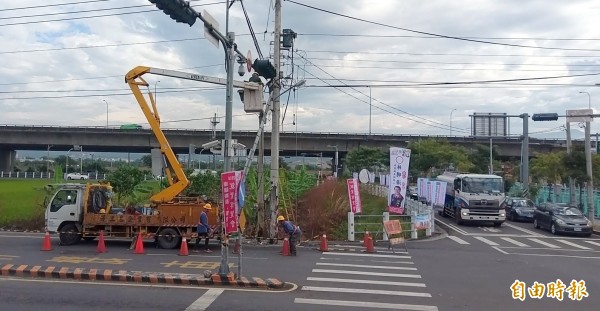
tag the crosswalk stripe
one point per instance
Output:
(573, 244)
(364, 291)
(367, 255)
(486, 241)
(543, 243)
(515, 242)
(366, 304)
(458, 240)
(364, 266)
(397, 275)
(593, 243)
(357, 281)
(368, 260)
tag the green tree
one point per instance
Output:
(146, 160)
(204, 184)
(574, 165)
(124, 180)
(430, 157)
(548, 167)
(367, 158)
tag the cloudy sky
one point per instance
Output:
(64, 61)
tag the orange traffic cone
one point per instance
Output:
(139, 244)
(370, 246)
(285, 250)
(101, 247)
(47, 245)
(366, 237)
(236, 247)
(324, 247)
(183, 251)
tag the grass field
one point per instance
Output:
(21, 199)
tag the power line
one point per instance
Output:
(449, 63)
(51, 5)
(75, 12)
(452, 69)
(451, 54)
(338, 87)
(438, 35)
(430, 37)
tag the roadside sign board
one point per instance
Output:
(354, 196)
(230, 182)
(579, 115)
(207, 33)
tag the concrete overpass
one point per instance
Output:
(101, 139)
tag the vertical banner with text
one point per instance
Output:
(230, 182)
(399, 160)
(354, 196)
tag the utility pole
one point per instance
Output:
(274, 199)
(588, 166)
(491, 159)
(213, 123)
(525, 151)
(572, 194)
(260, 177)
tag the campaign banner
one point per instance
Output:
(354, 196)
(399, 161)
(429, 191)
(439, 193)
(230, 182)
(422, 187)
(421, 222)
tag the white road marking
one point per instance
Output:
(486, 241)
(553, 255)
(498, 249)
(364, 266)
(396, 275)
(544, 243)
(357, 281)
(364, 291)
(205, 300)
(515, 242)
(573, 244)
(453, 227)
(521, 229)
(593, 243)
(458, 240)
(367, 255)
(396, 262)
(364, 260)
(366, 304)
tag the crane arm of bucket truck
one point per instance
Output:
(174, 172)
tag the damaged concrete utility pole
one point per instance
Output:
(274, 198)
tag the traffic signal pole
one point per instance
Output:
(274, 198)
(525, 152)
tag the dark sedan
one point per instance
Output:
(519, 209)
(561, 218)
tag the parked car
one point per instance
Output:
(79, 176)
(560, 217)
(519, 209)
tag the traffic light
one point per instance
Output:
(178, 10)
(545, 117)
(264, 68)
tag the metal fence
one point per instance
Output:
(44, 175)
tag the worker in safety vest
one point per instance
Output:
(292, 230)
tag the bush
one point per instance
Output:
(323, 209)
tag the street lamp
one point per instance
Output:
(451, 120)
(335, 172)
(67, 162)
(104, 100)
(589, 99)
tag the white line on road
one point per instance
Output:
(453, 227)
(552, 255)
(205, 300)
(486, 241)
(396, 275)
(396, 262)
(544, 243)
(515, 242)
(498, 249)
(364, 291)
(458, 240)
(521, 229)
(365, 260)
(573, 244)
(366, 304)
(367, 255)
(357, 281)
(364, 266)
(593, 243)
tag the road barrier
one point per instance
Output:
(412, 224)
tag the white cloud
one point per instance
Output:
(381, 55)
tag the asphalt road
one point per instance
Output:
(472, 269)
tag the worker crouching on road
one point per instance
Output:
(203, 229)
(294, 232)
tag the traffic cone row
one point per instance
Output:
(139, 244)
(101, 246)
(285, 250)
(47, 244)
(365, 238)
(370, 246)
(183, 251)
(324, 247)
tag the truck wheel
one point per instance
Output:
(69, 235)
(497, 224)
(168, 238)
(457, 217)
